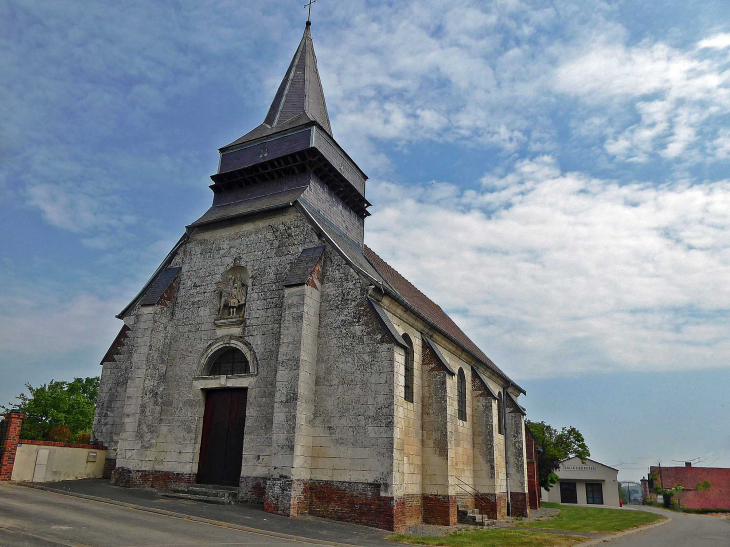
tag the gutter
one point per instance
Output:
(506, 446)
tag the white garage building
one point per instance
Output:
(589, 482)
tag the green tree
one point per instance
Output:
(622, 494)
(554, 446)
(58, 404)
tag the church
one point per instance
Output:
(273, 353)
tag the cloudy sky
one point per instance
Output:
(554, 174)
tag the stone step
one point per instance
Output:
(194, 497)
(235, 489)
(202, 490)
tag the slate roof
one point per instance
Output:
(387, 323)
(440, 356)
(299, 99)
(159, 286)
(218, 213)
(302, 267)
(484, 382)
(431, 311)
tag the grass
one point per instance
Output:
(489, 538)
(594, 519)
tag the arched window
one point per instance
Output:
(500, 414)
(409, 372)
(229, 362)
(461, 393)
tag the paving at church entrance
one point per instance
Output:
(40, 518)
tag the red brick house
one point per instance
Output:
(704, 487)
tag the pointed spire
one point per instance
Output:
(300, 91)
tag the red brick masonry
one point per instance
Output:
(11, 437)
(717, 496)
(360, 503)
(121, 476)
(441, 510)
(533, 477)
(520, 504)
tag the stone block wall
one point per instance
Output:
(439, 501)
(328, 431)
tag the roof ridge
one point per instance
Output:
(430, 311)
(419, 291)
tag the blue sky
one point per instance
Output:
(554, 174)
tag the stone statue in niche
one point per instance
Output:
(232, 291)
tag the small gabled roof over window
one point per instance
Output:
(302, 268)
(439, 356)
(518, 407)
(159, 286)
(387, 323)
(484, 382)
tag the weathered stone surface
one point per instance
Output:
(328, 430)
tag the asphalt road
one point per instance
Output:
(33, 518)
(683, 531)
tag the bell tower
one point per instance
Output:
(293, 157)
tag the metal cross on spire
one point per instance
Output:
(309, 5)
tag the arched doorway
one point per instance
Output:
(221, 445)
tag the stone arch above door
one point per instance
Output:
(203, 380)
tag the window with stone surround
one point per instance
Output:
(409, 372)
(500, 414)
(229, 362)
(461, 391)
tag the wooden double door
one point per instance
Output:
(221, 446)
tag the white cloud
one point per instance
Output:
(721, 144)
(675, 94)
(561, 273)
(64, 325)
(718, 41)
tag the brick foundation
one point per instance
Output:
(110, 464)
(129, 478)
(10, 437)
(494, 506)
(253, 489)
(287, 497)
(360, 503)
(408, 510)
(440, 510)
(520, 504)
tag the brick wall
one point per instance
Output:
(355, 502)
(11, 436)
(441, 510)
(122, 476)
(520, 504)
(716, 497)
(494, 506)
(533, 477)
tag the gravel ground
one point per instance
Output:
(439, 531)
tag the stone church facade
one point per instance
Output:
(274, 352)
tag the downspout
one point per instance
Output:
(506, 448)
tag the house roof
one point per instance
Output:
(589, 460)
(300, 97)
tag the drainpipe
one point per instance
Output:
(506, 448)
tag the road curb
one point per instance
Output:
(189, 518)
(626, 533)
